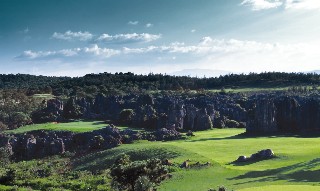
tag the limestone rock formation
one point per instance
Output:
(260, 155)
(284, 114)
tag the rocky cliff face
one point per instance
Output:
(39, 144)
(156, 112)
(284, 114)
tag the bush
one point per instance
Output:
(137, 175)
(126, 116)
(232, 124)
(4, 156)
(3, 126)
(143, 183)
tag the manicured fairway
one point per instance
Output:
(296, 166)
(297, 161)
(77, 126)
(283, 188)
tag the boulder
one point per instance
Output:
(260, 155)
(185, 164)
(242, 159)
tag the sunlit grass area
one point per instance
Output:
(76, 126)
(295, 167)
(296, 163)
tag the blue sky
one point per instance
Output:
(73, 38)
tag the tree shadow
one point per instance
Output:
(239, 136)
(104, 159)
(235, 163)
(269, 135)
(300, 172)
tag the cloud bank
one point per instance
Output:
(257, 5)
(92, 51)
(224, 54)
(69, 35)
(127, 38)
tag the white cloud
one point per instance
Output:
(133, 22)
(193, 30)
(69, 35)
(224, 54)
(257, 5)
(28, 54)
(104, 52)
(94, 51)
(126, 38)
(148, 25)
(205, 40)
(236, 55)
(302, 4)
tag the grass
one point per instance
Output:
(76, 126)
(297, 164)
(283, 188)
(47, 96)
(257, 89)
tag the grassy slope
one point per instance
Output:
(297, 163)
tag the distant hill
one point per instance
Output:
(314, 71)
(200, 73)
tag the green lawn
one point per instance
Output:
(296, 167)
(297, 161)
(76, 126)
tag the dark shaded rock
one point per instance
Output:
(232, 124)
(285, 114)
(260, 155)
(242, 159)
(185, 164)
(51, 113)
(191, 114)
(167, 134)
(262, 117)
(167, 162)
(203, 120)
(190, 133)
(176, 114)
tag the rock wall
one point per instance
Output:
(39, 144)
(284, 114)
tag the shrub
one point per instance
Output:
(143, 183)
(232, 124)
(137, 175)
(126, 116)
(3, 126)
(4, 156)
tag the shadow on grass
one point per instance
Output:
(300, 172)
(104, 159)
(235, 163)
(250, 136)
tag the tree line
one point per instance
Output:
(129, 82)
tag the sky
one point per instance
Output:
(74, 38)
